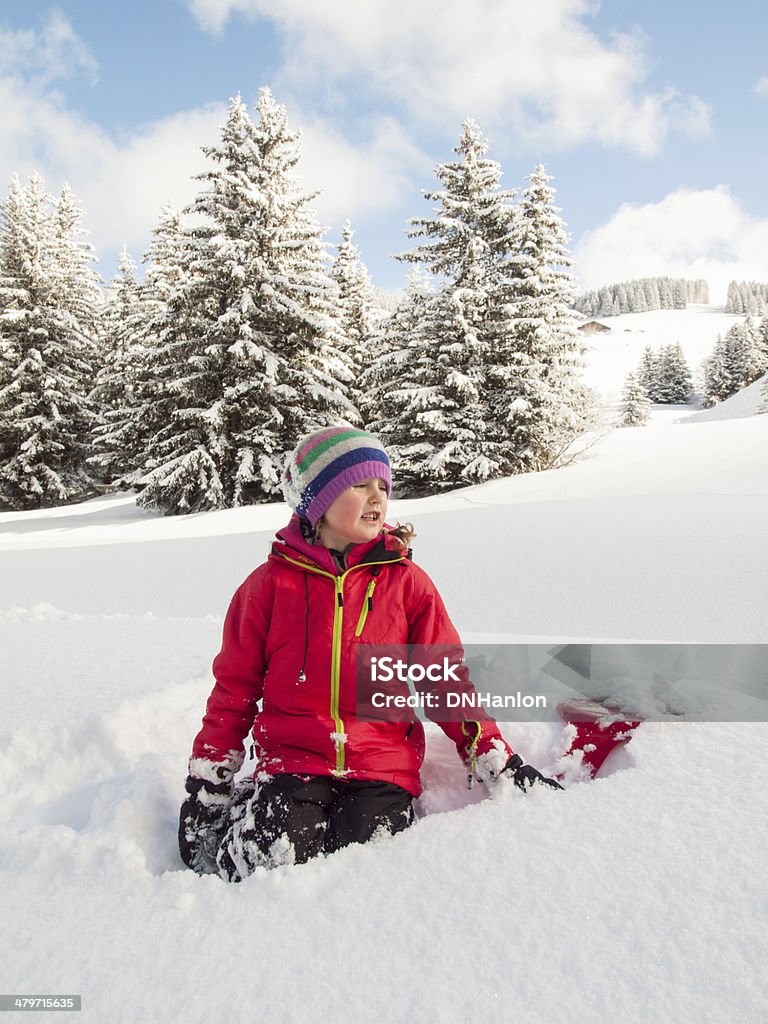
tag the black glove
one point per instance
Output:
(525, 775)
(203, 820)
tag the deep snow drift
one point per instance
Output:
(638, 897)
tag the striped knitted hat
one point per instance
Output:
(326, 463)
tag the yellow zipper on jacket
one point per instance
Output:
(367, 605)
(338, 622)
(340, 740)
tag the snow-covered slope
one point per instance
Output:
(638, 897)
(610, 357)
(747, 402)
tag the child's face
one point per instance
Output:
(356, 516)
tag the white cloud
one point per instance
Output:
(761, 86)
(694, 234)
(123, 183)
(358, 178)
(54, 52)
(545, 75)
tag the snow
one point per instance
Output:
(638, 897)
(746, 402)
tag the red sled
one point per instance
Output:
(599, 731)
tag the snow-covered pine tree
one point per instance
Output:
(756, 349)
(421, 402)
(249, 355)
(156, 362)
(680, 295)
(648, 374)
(761, 344)
(47, 312)
(117, 441)
(716, 381)
(673, 376)
(440, 437)
(357, 319)
(168, 261)
(397, 345)
(635, 405)
(77, 285)
(726, 369)
(605, 307)
(738, 359)
(537, 399)
(764, 395)
(734, 302)
(651, 291)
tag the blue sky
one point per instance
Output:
(653, 118)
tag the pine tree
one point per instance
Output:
(157, 367)
(717, 382)
(651, 290)
(666, 293)
(635, 404)
(249, 354)
(726, 371)
(755, 341)
(77, 286)
(423, 407)
(356, 316)
(605, 298)
(392, 368)
(674, 379)
(47, 311)
(761, 345)
(542, 404)
(441, 436)
(117, 440)
(734, 302)
(648, 374)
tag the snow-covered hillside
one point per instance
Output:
(638, 897)
(610, 357)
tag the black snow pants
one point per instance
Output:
(292, 818)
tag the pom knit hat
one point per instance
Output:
(326, 463)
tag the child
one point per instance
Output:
(337, 576)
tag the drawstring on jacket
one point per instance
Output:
(302, 674)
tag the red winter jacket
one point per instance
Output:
(290, 639)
